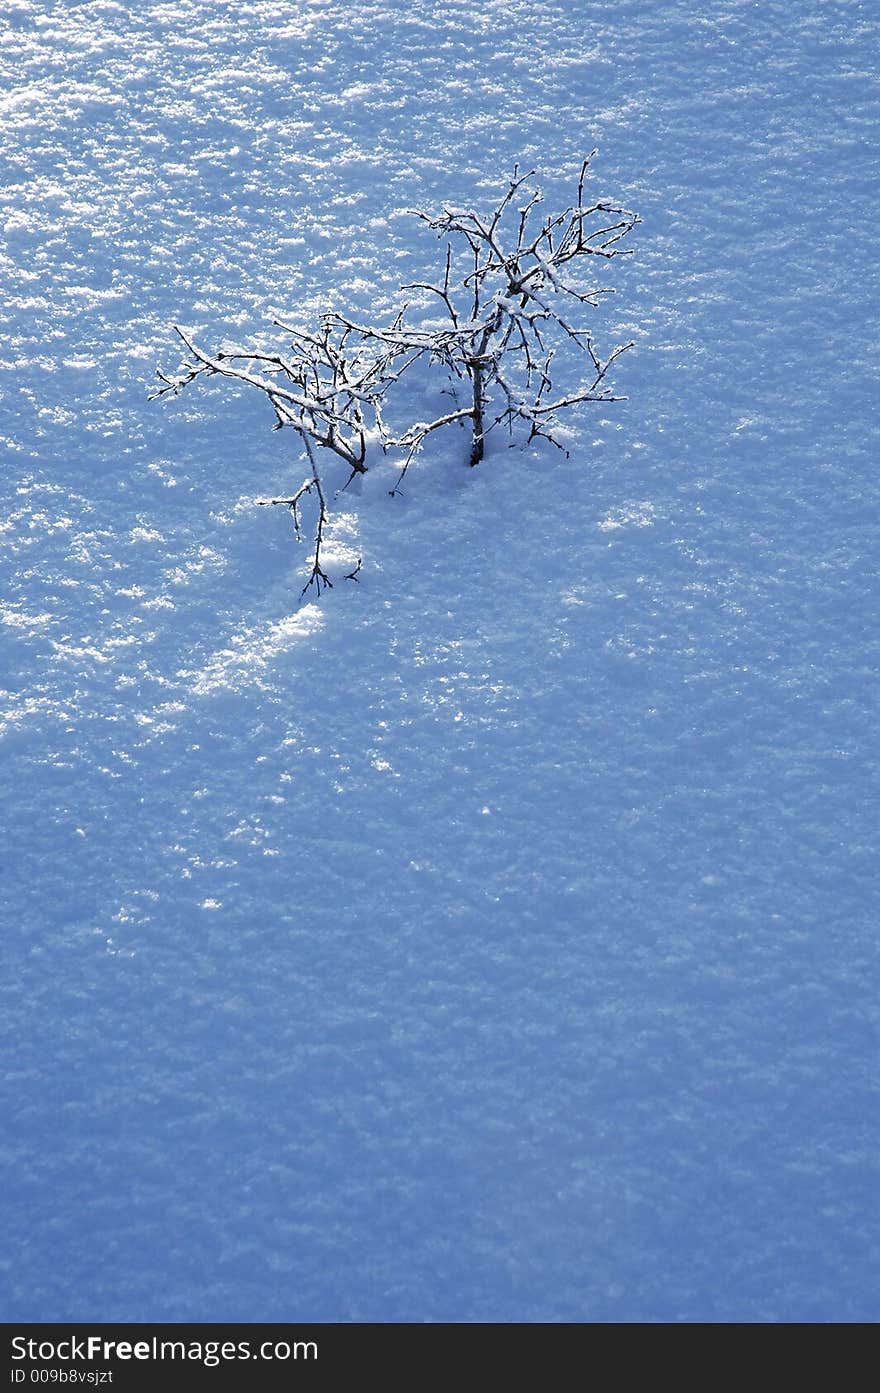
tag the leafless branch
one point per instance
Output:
(510, 298)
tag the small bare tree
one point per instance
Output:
(503, 332)
(323, 386)
(503, 318)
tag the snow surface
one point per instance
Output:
(498, 939)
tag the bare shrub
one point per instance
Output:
(507, 299)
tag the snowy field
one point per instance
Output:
(497, 938)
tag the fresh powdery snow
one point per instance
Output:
(493, 938)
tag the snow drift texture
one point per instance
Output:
(498, 939)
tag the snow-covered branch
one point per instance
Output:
(509, 299)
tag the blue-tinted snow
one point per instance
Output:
(497, 940)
